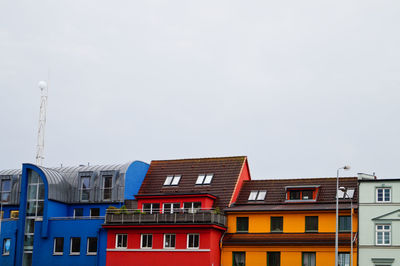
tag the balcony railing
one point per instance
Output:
(137, 217)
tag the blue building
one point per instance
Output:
(54, 215)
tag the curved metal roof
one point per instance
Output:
(11, 172)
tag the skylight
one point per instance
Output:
(172, 180)
(257, 195)
(348, 195)
(203, 179)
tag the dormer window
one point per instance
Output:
(308, 193)
(203, 179)
(172, 180)
(257, 195)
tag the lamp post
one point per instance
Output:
(337, 212)
(351, 223)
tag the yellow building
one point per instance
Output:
(291, 222)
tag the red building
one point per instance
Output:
(179, 216)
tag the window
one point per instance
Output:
(311, 223)
(238, 258)
(169, 241)
(151, 207)
(203, 179)
(276, 224)
(349, 194)
(121, 241)
(273, 258)
(383, 194)
(172, 180)
(58, 248)
(107, 187)
(308, 258)
(146, 241)
(75, 246)
(91, 246)
(191, 207)
(242, 224)
(344, 259)
(94, 212)
(257, 195)
(383, 234)
(6, 246)
(344, 223)
(193, 240)
(5, 190)
(78, 212)
(303, 194)
(85, 188)
(171, 207)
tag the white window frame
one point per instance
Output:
(84, 189)
(4, 253)
(54, 246)
(116, 241)
(75, 212)
(141, 241)
(165, 236)
(383, 231)
(204, 179)
(198, 241)
(172, 180)
(257, 195)
(192, 209)
(103, 188)
(5, 191)
(383, 194)
(70, 246)
(172, 207)
(87, 246)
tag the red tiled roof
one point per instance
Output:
(276, 194)
(226, 172)
(286, 239)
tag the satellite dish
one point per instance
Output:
(42, 85)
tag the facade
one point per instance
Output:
(61, 211)
(290, 222)
(379, 212)
(178, 219)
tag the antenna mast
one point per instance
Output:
(42, 122)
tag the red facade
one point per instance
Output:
(178, 219)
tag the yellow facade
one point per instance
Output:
(293, 222)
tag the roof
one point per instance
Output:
(276, 194)
(226, 172)
(285, 239)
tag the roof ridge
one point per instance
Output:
(300, 178)
(202, 158)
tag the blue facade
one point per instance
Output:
(62, 209)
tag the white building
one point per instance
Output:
(379, 222)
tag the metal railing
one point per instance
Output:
(117, 216)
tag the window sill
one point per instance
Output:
(58, 254)
(74, 254)
(91, 254)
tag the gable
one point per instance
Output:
(391, 216)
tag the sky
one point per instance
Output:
(300, 87)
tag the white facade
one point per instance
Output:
(379, 222)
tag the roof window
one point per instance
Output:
(172, 180)
(348, 195)
(257, 195)
(203, 179)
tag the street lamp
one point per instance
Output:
(346, 167)
(351, 223)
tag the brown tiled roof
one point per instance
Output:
(286, 239)
(275, 198)
(226, 172)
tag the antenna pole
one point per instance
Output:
(42, 123)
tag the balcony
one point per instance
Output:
(118, 217)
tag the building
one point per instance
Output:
(379, 212)
(178, 220)
(61, 211)
(290, 222)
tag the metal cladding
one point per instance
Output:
(64, 182)
(14, 175)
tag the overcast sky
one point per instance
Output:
(300, 87)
